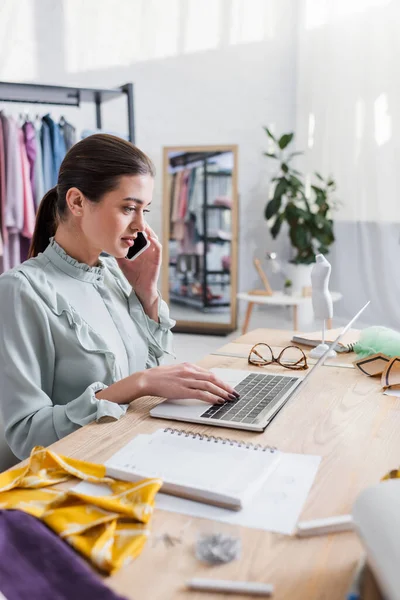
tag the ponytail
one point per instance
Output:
(46, 223)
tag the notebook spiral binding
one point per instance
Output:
(220, 440)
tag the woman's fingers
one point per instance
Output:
(211, 388)
(203, 375)
(152, 235)
(207, 397)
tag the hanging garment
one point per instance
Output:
(14, 185)
(59, 149)
(57, 146)
(14, 212)
(39, 188)
(109, 530)
(69, 133)
(183, 196)
(28, 130)
(176, 195)
(29, 209)
(47, 155)
(12, 252)
(192, 185)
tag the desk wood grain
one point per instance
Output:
(340, 415)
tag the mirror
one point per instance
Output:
(200, 237)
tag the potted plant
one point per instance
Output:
(287, 287)
(308, 217)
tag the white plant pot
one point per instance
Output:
(299, 275)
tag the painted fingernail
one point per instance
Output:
(236, 394)
(232, 397)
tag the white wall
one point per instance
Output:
(205, 71)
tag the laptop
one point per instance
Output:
(262, 395)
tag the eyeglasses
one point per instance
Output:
(290, 357)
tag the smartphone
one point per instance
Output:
(140, 245)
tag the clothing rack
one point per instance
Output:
(33, 93)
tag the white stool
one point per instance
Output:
(279, 299)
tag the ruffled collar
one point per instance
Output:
(72, 267)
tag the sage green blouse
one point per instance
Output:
(67, 331)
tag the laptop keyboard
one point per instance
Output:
(256, 393)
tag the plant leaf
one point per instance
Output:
(285, 140)
(295, 181)
(319, 176)
(284, 167)
(281, 188)
(276, 227)
(270, 154)
(292, 154)
(317, 190)
(291, 213)
(299, 237)
(272, 207)
(270, 134)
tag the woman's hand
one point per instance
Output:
(186, 381)
(143, 272)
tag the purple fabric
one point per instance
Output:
(12, 252)
(36, 563)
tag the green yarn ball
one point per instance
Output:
(378, 339)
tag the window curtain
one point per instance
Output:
(348, 121)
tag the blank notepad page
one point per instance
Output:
(197, 461)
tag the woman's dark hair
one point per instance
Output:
(94, 166)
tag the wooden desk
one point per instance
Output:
(341, 416)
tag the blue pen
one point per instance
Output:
(354, 592)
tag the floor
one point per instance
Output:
(186, 313)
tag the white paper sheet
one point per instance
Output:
(275, 507)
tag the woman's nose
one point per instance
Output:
(139, 223)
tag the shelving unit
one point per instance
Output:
(204, 303)
(32, 93)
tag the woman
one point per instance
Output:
(82, 335)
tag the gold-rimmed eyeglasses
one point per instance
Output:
(291, 357)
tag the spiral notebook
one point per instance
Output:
(346, 344)
(207, 469)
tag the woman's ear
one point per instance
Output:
(75, 201)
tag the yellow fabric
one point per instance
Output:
(394, 474)
(109, 530)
